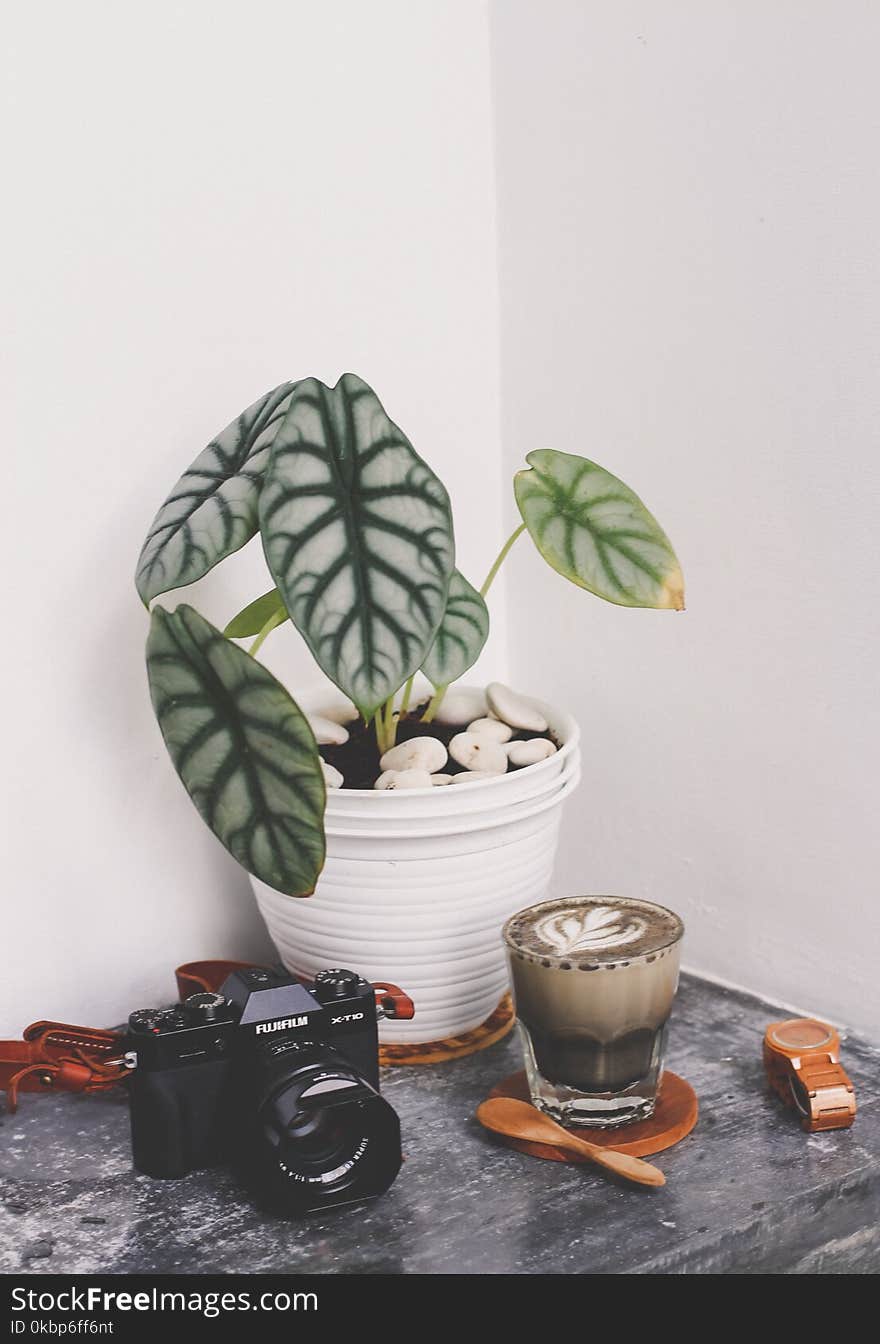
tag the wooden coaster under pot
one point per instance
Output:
(674, 1117)
(495, 1027)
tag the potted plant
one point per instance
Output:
(416, 822)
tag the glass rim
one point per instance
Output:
(557, 958)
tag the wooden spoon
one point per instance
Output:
(518, 1120)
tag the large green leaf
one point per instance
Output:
(593, 529)
(244, 751)
(357, 532)
(212, 510)
(463, 632)
(252, 618)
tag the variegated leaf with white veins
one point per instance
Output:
(357, 533)
(212, 510)
(462, 633)
(242, 747)
(595, 530)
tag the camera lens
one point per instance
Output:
(325, 1135)
(318, 1133)
(319, 1142)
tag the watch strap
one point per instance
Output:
(823, 1093)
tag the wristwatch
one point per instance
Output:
(801, 1059)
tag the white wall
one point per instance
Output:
(688, 204)
(205, 199)
(201, 201)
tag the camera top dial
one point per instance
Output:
(156, 1021)
(335, 984)
(204, 1007)
(144, 1020)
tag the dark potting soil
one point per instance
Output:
(357, 760)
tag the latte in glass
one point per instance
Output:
(594, 978)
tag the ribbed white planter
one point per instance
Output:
(418, 883)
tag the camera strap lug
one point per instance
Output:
(392, 1003)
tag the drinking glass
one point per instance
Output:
(594, 978)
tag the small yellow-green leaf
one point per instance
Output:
(593, 529)
(252, 618)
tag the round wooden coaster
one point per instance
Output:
(674, 1116)
(496, 1026)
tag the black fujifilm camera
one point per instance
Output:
(278, 1078)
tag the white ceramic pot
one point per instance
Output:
(418, 883)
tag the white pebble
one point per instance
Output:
(514, 709)
(476, 751)
(442, 779)
(327, 732)
(494, 728)
(419, 753)
(404, 779)
(333, 778)
(337, 710)
(461, 706)
(529, 753)
(467, 776)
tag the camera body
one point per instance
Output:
(276, 1077)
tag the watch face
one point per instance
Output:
(802, 1033)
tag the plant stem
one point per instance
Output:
(407, 692)
(499, 560)
(277, 618)
(386, 726)
(380, 737)
(390, 723)
(434, 704)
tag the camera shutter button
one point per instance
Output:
(335, 984)
(204, 1007)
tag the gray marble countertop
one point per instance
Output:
(747, 1191)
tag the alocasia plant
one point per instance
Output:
(358, 539)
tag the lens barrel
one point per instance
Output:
(322, 1134)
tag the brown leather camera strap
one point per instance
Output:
(55, 1056)
(194, 977)
(58, 1056)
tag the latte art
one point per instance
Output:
(600, 930)
(589, 929)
